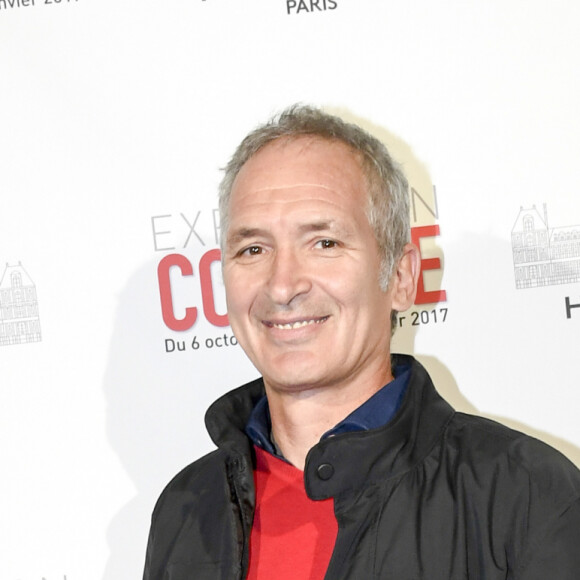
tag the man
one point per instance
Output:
(342, 461)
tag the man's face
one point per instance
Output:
(301, 268)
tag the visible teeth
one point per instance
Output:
(299, 324)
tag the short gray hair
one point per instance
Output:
(388, 208)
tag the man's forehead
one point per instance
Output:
(304, 161)
(308, 225)
(293, 184)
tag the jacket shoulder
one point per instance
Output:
(485, 444)
(193, 480)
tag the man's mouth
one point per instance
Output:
(296, 323)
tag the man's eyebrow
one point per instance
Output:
(324, 225)
(243, 233)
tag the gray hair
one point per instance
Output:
(388, 208)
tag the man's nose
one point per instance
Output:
(288, 277)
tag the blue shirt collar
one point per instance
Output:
(372, 414)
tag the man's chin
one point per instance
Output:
(294, 379)
(292, 368)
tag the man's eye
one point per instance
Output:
(327, 244)
(252, 251)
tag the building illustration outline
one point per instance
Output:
(544, 256)
(19, 319)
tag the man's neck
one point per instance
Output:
(301, 417)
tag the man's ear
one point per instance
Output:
(405, 278)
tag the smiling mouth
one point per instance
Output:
(296, 324)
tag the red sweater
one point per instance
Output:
(292, 535)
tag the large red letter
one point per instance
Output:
(427, 264)
(207, 288)
(165, 265)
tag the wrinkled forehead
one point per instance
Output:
(304, 160)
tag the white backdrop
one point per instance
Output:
(114, 120)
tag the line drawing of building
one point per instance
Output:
(544, 256)
(19, 319)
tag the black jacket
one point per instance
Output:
(434, 495)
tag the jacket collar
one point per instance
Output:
(227, 417)
(347, 461)
(361, 459)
